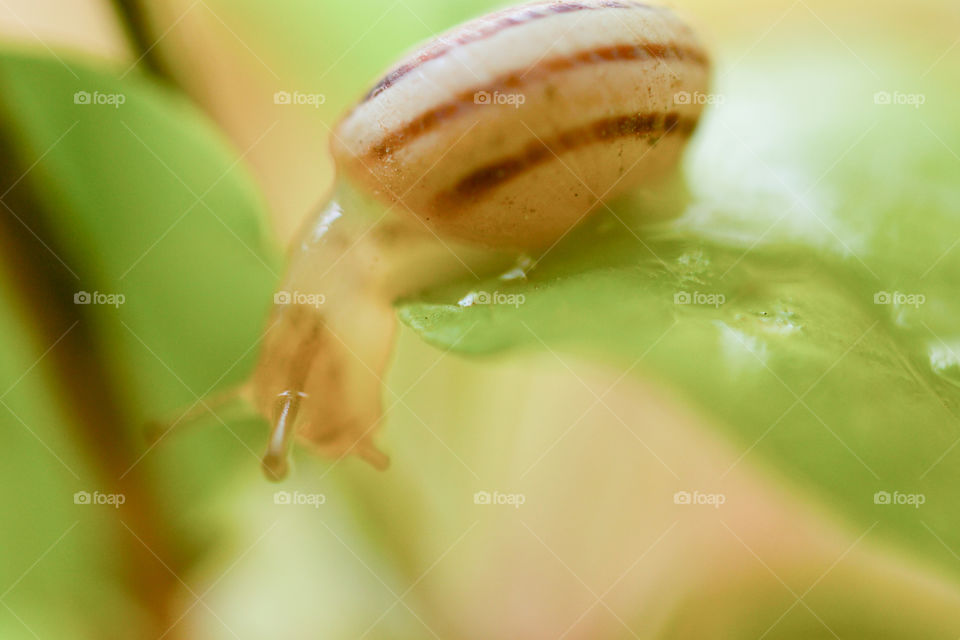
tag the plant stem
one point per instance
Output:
(89, 393)
(135, 20)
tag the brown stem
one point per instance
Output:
(88, 392)
(135, 21)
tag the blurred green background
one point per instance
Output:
(797, 402)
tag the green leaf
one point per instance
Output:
(46, 550)
(145, 269)
(143, 199)
(760, 303)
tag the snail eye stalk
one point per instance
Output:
(275, 460)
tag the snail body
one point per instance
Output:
(497, 137)
(331, 332)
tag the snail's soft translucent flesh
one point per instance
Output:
(331, 333)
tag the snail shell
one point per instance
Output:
(509, 129)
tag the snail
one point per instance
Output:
(493, 139)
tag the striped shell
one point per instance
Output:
(509, 129)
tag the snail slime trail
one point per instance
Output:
(496, 138)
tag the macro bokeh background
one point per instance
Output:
(827, 173)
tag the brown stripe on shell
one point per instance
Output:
(490, 26)
(539, 151)
(614, 53)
